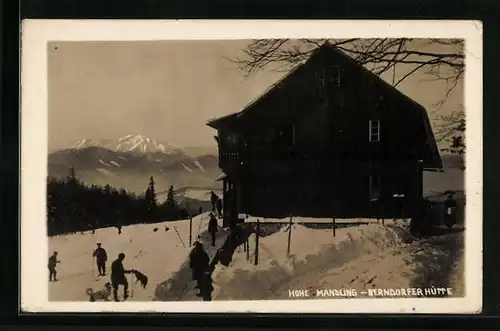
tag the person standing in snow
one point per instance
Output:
(198, 262)
(212, 227)
(450, 205)
(219, 207)
(52, 267)
(118, 277)
(101, 257)
(213, 199)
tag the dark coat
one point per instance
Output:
(449, 207)
(450, 203)
(198, 259)
(100, 255)
(118, 272)
(213, 197)
(212, 224)
(53, 261)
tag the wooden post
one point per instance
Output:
(257, 235)
(190, 230)
(224, 202)
(289, 236)
(247, 245)
(333, 226)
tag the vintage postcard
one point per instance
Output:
(251, 166)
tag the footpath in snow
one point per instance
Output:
(362, 254)
(162, 255)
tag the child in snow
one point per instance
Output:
(52, 266)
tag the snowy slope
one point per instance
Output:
(371, 255)
(158, 254)
(358, 257)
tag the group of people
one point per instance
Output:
(117, 270)
(199, 263)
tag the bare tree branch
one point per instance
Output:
(450, 131)
(441, 59)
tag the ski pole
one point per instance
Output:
(199, 227)
(179, 237)
(132, 283)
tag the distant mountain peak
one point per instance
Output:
(131, 143)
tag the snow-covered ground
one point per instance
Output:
(159, 255)
(370, 255)
(358, 257)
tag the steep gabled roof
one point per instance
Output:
(434, 159)
(214, 123)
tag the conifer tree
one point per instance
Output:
(151, 202)
(171, 199)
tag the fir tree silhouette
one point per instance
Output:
(151, 202)
(74, 207)
(171, 199)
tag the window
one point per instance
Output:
(374, 131)
(335, 75)
(374, 187)
(319, 75)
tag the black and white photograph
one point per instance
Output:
(238, 166)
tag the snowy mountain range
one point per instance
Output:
(129, 144)
(129, 161)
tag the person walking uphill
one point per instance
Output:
(101, 257)
(212, 227)
(198, 262)
(219, 207)
(213, 200)
(118, 277)
(53, 261)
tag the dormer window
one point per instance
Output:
(374, 131)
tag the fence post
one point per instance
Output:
(190, 230)
(289, 235)
(247, 245)
(333, 226)
(257, 235)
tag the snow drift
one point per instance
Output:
(361, 257)
(358, 257)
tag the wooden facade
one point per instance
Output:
(329, 140)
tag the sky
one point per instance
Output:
(166, 90)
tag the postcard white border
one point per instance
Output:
(36, 34)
